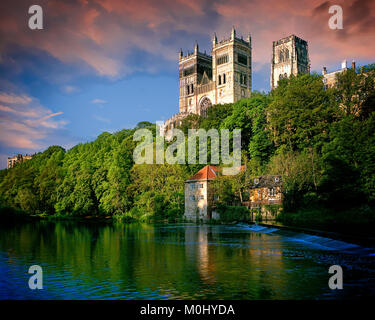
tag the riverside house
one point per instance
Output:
(199, 195)
(264, 197)
(200, 198)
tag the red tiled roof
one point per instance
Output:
(206, 173)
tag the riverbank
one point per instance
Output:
(12, 215)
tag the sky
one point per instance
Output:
(105, 65)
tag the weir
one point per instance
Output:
(315, 240)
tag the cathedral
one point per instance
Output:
(225, 76)
(205, 80)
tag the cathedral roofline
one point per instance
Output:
(228, 40)
(194, 54)
(215, 44)
(286, 39)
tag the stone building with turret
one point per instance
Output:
(17, 159)
(205, 80)
(330, 78)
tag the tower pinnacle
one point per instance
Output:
(233, 33)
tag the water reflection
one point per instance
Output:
(134, 261)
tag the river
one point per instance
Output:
(177, 261)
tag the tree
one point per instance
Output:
(143, 124)
(356, 92)
(300, 113)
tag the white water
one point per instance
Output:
(322, 242)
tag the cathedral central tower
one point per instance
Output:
(290, 56)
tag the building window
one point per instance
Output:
(192, 186)
(192, 198)
(224, 79)
(283, 76)
(283, 55)
(271, 192)
(200, 186)
(243, 79)
(242, 92)
(192, 88)
(221, 60)
(242, 59)
(219, 80)
(188, 71)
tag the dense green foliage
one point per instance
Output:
(94, 179)
(321, 141)
(233, 213)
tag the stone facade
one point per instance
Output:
(16, 159)
(329, 78)
(264, 192)
(205, 80)
(290, 56)
(199, 195)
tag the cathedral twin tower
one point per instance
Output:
(225, 76)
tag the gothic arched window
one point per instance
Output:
(204, 105)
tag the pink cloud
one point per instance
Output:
(14, 99)
(24, 123)
(102, 34)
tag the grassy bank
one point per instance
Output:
(356, 221)
(12, 214)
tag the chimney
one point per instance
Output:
(343, 65)
(324, 71)
(353, 65)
